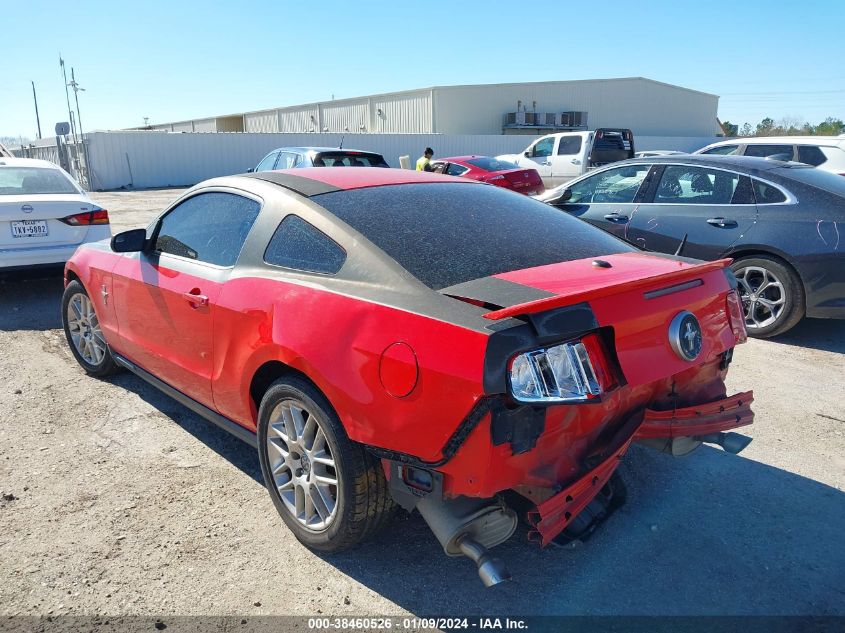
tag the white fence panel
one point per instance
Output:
(142, 159)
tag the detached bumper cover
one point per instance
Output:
(552, 516)
(702, 419)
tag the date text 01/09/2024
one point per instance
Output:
(417, 624)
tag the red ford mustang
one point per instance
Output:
(392, 337)
(497, 172)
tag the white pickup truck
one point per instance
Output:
(561, 157)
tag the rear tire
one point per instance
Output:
(83, 333)
(772, 295)
(329, 490)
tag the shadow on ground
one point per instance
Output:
(711, 533)
(31, 301)
(822, 334)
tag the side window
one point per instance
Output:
(743, 193)
(723, 150)
(811, 155)
(267, 162)
(543, 147)
(456, 170)
(286, 160)
(614, 185)
(781, 152)
(696, 185)
(569, 145)
(209, 227)
(438, 168)
(299, 245)
(767, 194)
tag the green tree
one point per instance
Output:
(766, 127)
(729, 128)
(746, 130)
(830, 127)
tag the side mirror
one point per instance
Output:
(133, 241)
(250, 170)
(566, 195)
(527, 154)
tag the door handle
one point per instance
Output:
(576, 161)
(615, 217)
(196, 299)
(721, 222)
(546, 162)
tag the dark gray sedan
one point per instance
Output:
(783, 224)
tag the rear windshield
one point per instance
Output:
(352, 159)
(448, 233)
(492, 164)
(18, 181)
(834, 183)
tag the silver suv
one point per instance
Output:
(825, 152)
(295, 157)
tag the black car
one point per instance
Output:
(782, 223)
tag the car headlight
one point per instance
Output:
(561, 373)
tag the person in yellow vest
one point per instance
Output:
(424, 161)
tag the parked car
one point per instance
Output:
(298, 157)
(497, 172)
(387, 336)
(657, 152)
(780, 222)
(561, 157)
(44, 215)
(825, 152)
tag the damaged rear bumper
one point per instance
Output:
(549, 518)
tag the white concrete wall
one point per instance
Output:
(155, 159)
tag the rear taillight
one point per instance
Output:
(499, 177)
(100, 216)
(576, 371)
(736, 316)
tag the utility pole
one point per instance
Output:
(67, 97)
(37, 118)
(76, 88)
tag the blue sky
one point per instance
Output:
(178, 60)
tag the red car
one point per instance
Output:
(492, 170)
(394, 337)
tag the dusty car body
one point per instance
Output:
(393, 337)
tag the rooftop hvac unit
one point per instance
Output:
(530, 118)
(515, 118)
(547, 119)
(573, 119)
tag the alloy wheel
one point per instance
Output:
(763, 296)
(84, 328)
(302, 465)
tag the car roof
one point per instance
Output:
(781, 140)
(313, 181)
(27, 162)
(747, 163)
(305, 150)
(460, 159)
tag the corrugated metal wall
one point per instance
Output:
(157, 159)
(403, 114)
(647, 107)
(347, 116)
(263, 121)
(299, 120)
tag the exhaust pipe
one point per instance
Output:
(468, 527)
(730, 442)
(491, 570)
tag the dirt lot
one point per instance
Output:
(117, 500)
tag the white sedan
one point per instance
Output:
(44, 215)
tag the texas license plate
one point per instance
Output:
(29, 228)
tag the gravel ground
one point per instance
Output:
(117, 500)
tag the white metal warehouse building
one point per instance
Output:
(649, 108)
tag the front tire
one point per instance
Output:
(772, 295)
(329, 490)
(83, 333)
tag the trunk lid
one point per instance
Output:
(636, 295)
(46, 208)
(524, 179)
